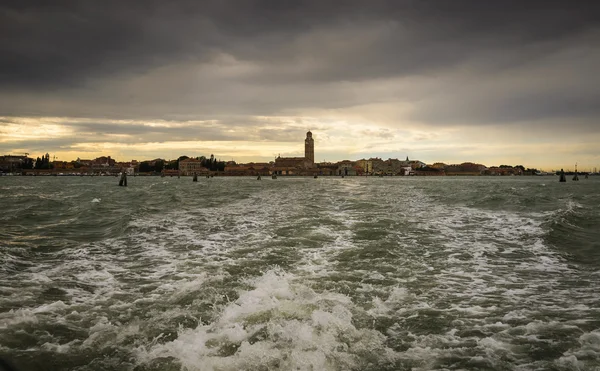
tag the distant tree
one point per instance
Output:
(27, 164)
(145, 167)
(212, 163)
(204, 162)
(172, 165)
(429, 168)
(43, 163)
(159, 166)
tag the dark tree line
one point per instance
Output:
(27, 164)
(43, 163)
(148, 167)
(174, 164)
(211, 164)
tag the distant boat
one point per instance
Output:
(273, 176)
(575, 177)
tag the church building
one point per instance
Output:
(306, 162)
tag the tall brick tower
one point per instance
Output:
(309, 148)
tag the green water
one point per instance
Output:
(300, 273)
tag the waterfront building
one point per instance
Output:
(326, 168)
(190, 166)
(392, 166)
(283, 170)
(83, 162)
(292, 162)
(10, 163)
(306, 162)
(104, 161)
(252, 168)
(501, 170)
(346, 167)
(60, 165)
(406, 170)
(371, 166)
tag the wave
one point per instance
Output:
(573, 229)
(280, 324)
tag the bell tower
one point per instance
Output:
(309, 148)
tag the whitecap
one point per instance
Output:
(280, 324)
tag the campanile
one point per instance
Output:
(309, 148)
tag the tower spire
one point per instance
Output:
(309, 148)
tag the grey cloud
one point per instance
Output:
(232, 129)
(37, 146)
(147, 133)
(281, 135)
(168, 60)
(69, 42)
(377, 133)
(220, 130)
(560, 87)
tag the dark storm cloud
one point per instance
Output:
(165, 59)
(49, 44)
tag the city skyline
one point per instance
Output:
(193, 153)
(505, 83)
(274, 162)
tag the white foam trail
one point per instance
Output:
(477, 277)
(279, 324)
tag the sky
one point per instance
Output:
(493, 82)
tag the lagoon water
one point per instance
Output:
(300, 274)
